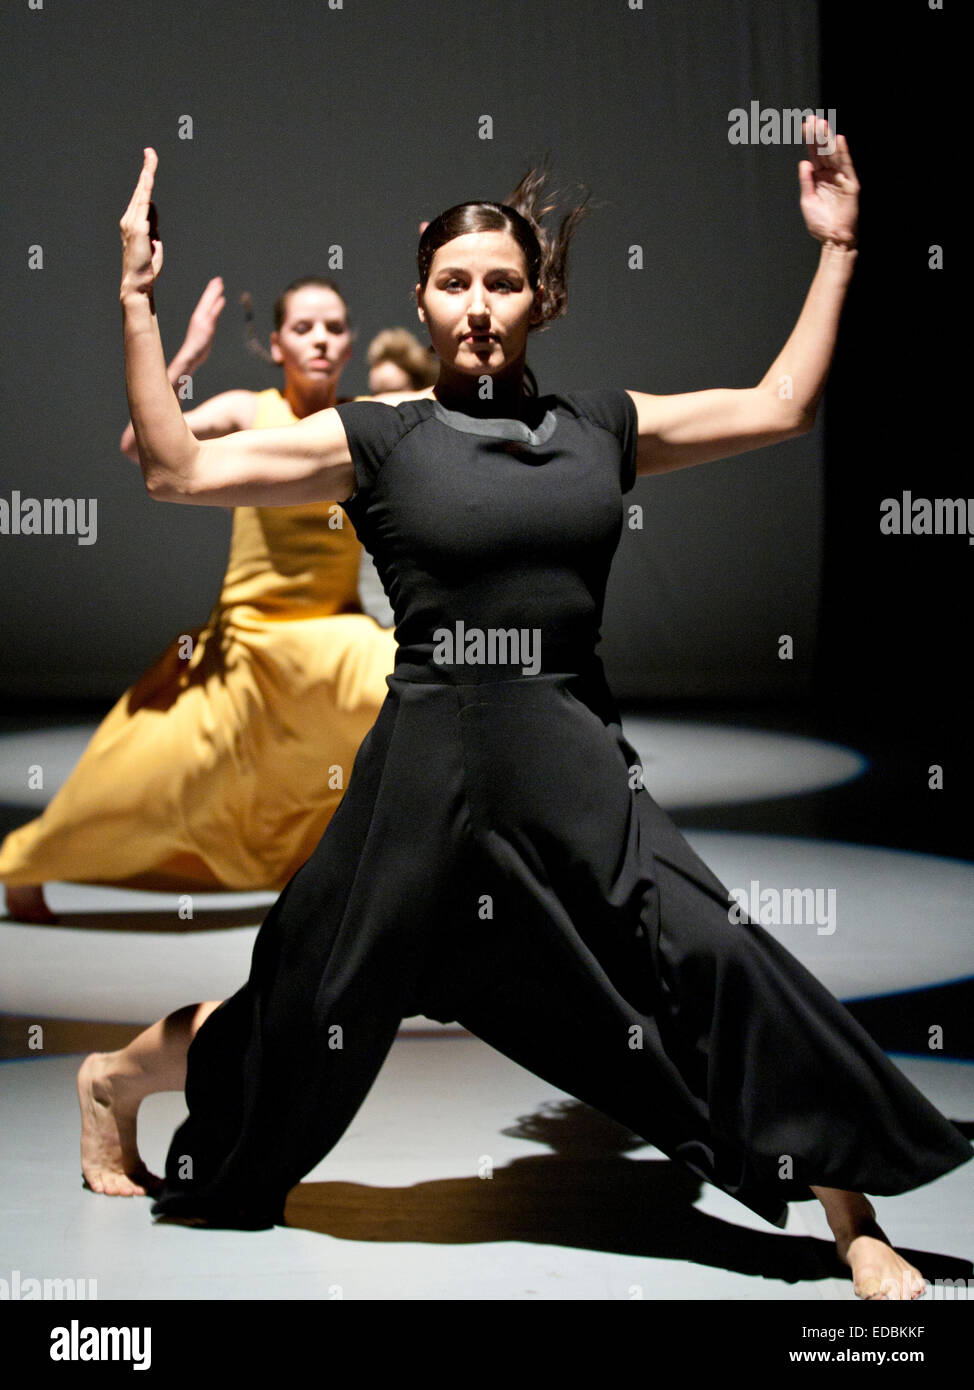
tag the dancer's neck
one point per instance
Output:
(461, 392)
(303, 402)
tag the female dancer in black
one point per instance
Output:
(495, 859)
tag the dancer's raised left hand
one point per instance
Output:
(829, 187)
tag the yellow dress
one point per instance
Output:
(220, 769)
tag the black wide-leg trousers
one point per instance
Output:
(495, 862)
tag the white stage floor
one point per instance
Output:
(575, 1209)
(398, 1209)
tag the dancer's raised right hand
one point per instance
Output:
(202, 323)
(141, 247)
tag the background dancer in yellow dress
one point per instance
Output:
(199, 776)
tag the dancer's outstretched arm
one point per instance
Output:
(306, 462)
(227, 411)
(699, 426)
(221, 414)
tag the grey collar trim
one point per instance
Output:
(496, 427)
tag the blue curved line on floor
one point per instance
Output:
(925, 1057)
(909, 989)
(470, 1037)
(825, 844)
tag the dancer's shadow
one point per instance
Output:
(586, 1195)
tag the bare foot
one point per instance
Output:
(110, 1161)
(25, 903)
(878, 1272)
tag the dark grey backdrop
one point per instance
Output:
(314, 126)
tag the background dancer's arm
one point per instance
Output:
(306, 462)
(700, 426)
(221, 414)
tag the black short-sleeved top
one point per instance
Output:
(495, 523)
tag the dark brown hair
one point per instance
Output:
(280, 310)
(545, 252)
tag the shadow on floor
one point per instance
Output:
(587, 1195)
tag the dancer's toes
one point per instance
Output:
(878, 1272)
(112, 1183)
(25, 903)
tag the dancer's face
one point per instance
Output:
(314, 342)
(478, 304)
(386, 376)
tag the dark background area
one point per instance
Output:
(315, 127)
(893, 664)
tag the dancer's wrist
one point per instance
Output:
(135, 301)
(844, 247)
